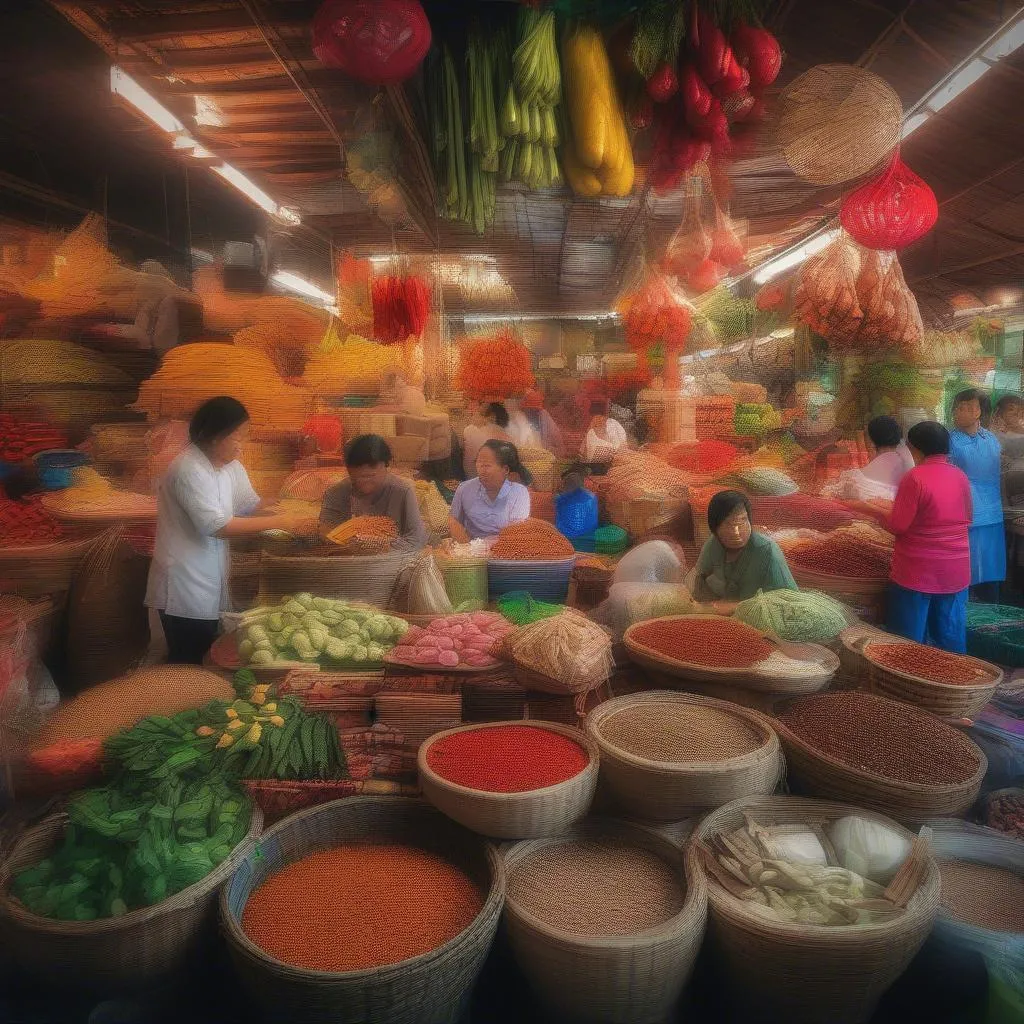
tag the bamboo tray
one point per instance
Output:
(224, 655)
(745, 678)
(947, 700)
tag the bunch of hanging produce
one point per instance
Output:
(401, 306)
(596, 152)
(317, 629)
(658, 321)
(703, 89)
(529, 110)
(857, 299)
(495, 367)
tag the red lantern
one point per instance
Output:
(890, 211)
(381, 42)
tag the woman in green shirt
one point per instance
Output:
(736, 563)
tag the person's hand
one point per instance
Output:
(724, 607)
(300, 524)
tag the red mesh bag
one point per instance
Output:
(381, 42)
(890, 211)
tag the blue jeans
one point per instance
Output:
(936, 619)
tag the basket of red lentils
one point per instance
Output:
(510, 780)
(665, 754)
(880, 754)
(946, 684)
(370, 909)
(715, 649)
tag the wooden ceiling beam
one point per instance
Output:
(151, 28)
(1006, 254)
(318, 77)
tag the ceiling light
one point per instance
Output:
(208, 113)
(293, 283)
(288, 215)
(1007, 40)
(912, 123)
(127, 88)
(246, 187)
(961, 80)
(203, 255)
(794, 257)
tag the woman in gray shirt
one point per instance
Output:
(373, 490)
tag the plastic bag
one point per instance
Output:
(427, 594)
(826, 299)
(628, 603)
(869, 848)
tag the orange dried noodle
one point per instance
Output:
(371, 528)
(531, 540)
(495, 366)
(357, 907)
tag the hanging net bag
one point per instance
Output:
(890, 211)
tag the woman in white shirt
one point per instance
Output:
(204, 500)
(604, 438)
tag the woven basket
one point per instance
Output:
(744, 678)
(670, 791)
(430, 989)
(620, 979)
(465, 580)
(528, 815)
(849, 647)
(942, 699)
(370, 578)
(642, 517)
(850, 589)
(41, 569)
(807, 974)
(818, 774)
(115, 953)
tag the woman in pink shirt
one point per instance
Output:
(931, 560)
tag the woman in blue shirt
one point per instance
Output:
(976, 451)
(486, 504)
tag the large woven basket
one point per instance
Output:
(40, 569)
(942, 699)
(799, 973)
(745, 678)
(670, 791)
(430, 989)
(527, 815)
(115, 953)
(818, 774)
(355, 577)
(850, 648)
(620, 979)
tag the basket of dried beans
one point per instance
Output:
(880, 754)
(948, 685)
(510, 780)
(714, 649)
(666, 754)
(785, 968)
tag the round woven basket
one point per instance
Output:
(39, 569)
(672, 790)
(430, 989)
(942, 699)
(528, 815)
(745, 678)
(850, 589)
(115, 953)
(850, 648)
(836, 122)
(811, 771)
(618, 979)
(799, 973)
(368, 578)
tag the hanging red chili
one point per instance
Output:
(401, 306)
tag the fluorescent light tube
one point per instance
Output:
(246, 187)
(1007, 42)
(960, 81)
(127, 88)
(794, 258)
(294, 283)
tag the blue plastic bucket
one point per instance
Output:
(56, 467)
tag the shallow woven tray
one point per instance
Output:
(742, 677)
(798, 973)
(818, 774)
(114, 953)
(672, 790)
(946, 700)
(527, 815)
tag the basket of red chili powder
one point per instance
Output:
(369, 909)
(946, 684)
(510, 780)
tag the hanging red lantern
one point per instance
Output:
(890, 211)
(381, 42)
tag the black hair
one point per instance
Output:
(507, 455)
(885, 432)
(929, 438)
(215, 419)
(498, 413)
(723, 504)
(367, 450)
(1008, 402)
(967, 395)
(598, 407)
(574, 474)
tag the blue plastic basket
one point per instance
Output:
(544, 581)
(56, 467)
(576, 513)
